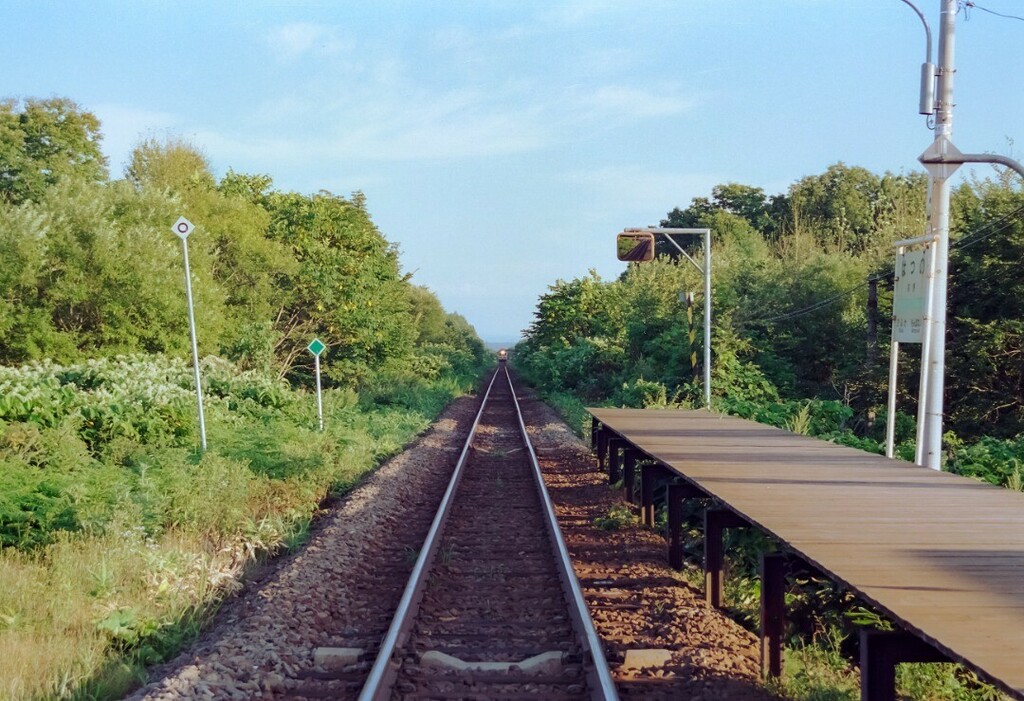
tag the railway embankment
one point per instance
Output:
(310, 627)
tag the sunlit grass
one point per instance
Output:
(161, 533)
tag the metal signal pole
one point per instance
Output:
(938, 224)
(182, 228)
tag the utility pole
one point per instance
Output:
(938, 225)
(638, 245)
(872, 339)
(941, 159)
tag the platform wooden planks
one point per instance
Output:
(941, 554)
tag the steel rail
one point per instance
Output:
(605, 685)
(383, 672)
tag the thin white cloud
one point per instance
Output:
(632, 102)
(641, 189)
(576, 12)
(296, 39)
(403, 124)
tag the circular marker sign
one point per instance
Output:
(183, 227)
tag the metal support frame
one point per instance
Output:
(602, 446)
(629, 459)
(595, 428)
(650, 475)
(615, 447)
(880, 652)
(951, 155)
(715, 523)
(677, 494)
(773, 612)
(705, 270)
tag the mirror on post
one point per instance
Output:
(635, 246)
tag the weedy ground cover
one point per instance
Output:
(118, 538)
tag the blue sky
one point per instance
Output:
(503, 144)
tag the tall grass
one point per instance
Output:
(116, 547)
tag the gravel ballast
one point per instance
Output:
(637, 602)
(341, 589)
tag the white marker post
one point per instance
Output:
(183, 227)
(913, 291)
(316, 347)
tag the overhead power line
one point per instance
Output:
(986, 231)
(975, 6)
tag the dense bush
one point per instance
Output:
(791, 344)
(118, 536)
(89, 267)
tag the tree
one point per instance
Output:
(985, 375)
(43, 142)
(347, 288)
(744, 201)
(173, 164)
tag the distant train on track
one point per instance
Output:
(502, 355)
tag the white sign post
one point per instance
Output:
(316, 347)
(182, 228)
(910, 291)
(913, 287)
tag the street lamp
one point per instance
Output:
(637, 245)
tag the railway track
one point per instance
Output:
(488, 588)
(492, 609)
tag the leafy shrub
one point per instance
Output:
(996, 461)
(617, 518)
(35, 504)
(641, 394)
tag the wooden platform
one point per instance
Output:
(943, 555)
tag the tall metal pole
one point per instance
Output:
(939, 226)
(319, 394)
(195, 347)
(707, 319)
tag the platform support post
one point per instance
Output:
(773, 612)
(615, 446)
(677, 495)
(602, 446)
(715, 523)
(629, 459)
(649, 475)
(880, 652)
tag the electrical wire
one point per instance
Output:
(975, 6)
(990, 229)
(808, 310)
(981, 235)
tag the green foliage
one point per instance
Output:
(107, 508)
(986, 364)
(117, 536)
(44, 142)
(641, 394)
(994, 460)
(617, 518)
(791, 350)
(89, 268)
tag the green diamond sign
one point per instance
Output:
(316, 347)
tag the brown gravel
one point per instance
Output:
(342, 588)
(636, 601)
(339, 591)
